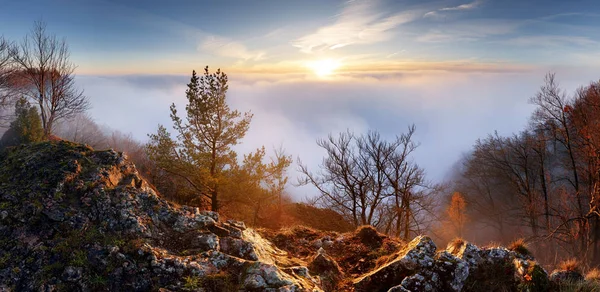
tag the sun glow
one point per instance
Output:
(325, 67)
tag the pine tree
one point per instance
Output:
(201, 153)
(26, 128)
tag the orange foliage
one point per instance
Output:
(457, 212)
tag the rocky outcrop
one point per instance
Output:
(464, 268)
(75, 219)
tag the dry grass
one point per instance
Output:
(455, 245)
(578, 286)
(571, 265)
(519, 246)
(492, 244)
(593, 275)
(384, 260)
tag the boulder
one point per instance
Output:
(419, 254)
(327, 269)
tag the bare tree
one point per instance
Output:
(82, 129)
(6, 72)
(44, 67)
(343, 187)
(372, 181)
(552, 113)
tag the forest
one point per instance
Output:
(540, 185)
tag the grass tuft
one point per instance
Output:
(571, 265)
(593, 275)
(519, 246)
(455, 245)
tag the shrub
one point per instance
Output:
(26, 128)
(220, 282)
(369, 236)
(191, 283)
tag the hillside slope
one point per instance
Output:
(75, 219)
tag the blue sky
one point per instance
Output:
(457, 69)
(156, 37)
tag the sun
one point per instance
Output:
(325, 67)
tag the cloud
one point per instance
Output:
(467, 6)
(462, 7)
(449, 116)
(225, 47)
(470, 30)
(552, 41)
(357, 24)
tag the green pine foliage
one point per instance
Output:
(200, 153)
(26, 128)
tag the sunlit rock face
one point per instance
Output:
(417, 268)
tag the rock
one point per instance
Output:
(206, 241)
(255, 281)
(238, 247)
(327, 269)
(398, 288)
(452, 271)
(422, 281)
(3, 215)
(470, 253)
(418, 254)
(220, 231)
(324, 264)
(54, 214)
(272, 276)
(559, 276)
(233, 230)
(205, 221)
(317, 243)
(238, 224)
(496, 255)
(211, 214)
(72, 274)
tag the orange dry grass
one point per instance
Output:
(519, 246)
(571, 265)
(455, 245)
(593, 275)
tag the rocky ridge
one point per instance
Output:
(75, 219)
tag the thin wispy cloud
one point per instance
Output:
(225, 47)
(470, 30)
(395, 54)
(462, 7)
(359, 23)
(552, 41)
